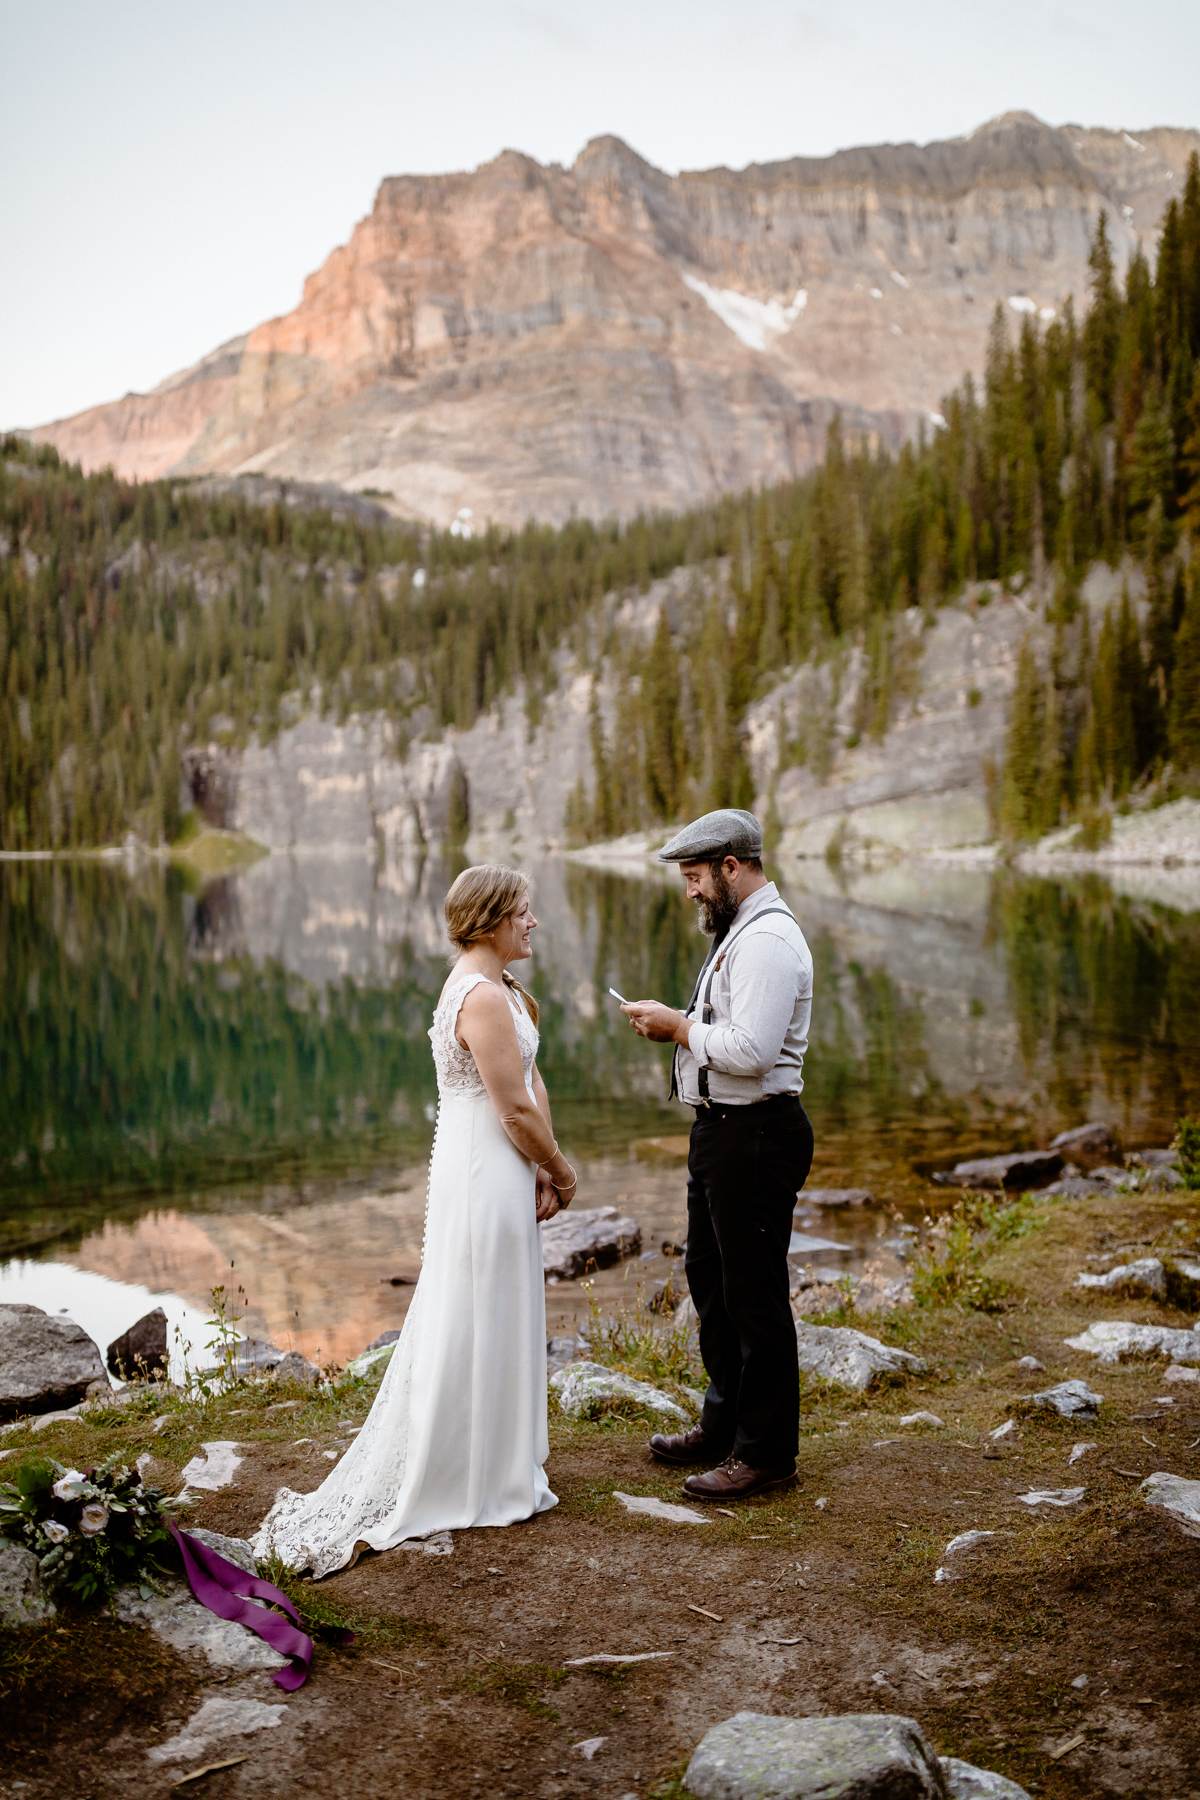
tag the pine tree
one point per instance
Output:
(1184, 722)
(1022, 778)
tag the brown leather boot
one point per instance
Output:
(684, 1447)
(734, 1480)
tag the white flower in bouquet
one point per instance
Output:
(70, 1485)
(55, 1530)
(93, 1519)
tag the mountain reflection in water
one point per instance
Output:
(241, 1076)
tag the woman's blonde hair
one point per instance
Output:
(479, 901)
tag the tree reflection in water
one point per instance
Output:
(150, 1046)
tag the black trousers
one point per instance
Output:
(746, 1165)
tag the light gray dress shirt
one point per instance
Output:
(761, 1000)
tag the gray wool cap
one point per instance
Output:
(729, 831)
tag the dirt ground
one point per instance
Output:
(819, 1600)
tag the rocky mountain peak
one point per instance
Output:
(529, 340)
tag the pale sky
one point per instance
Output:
(169, 174)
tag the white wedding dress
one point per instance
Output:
(457, 1434)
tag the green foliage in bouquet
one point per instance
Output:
(89, 1531)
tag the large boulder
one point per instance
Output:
(21, 1599)
(1019, 1169)
(1087, 1145)
(1175, 1496)
(46, 1363)
(142, 1350)
(574, 1242)
(859, 1756)
(586, 1390)
(1116, 1340)
(849, 1358)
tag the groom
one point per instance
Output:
(739, 1052)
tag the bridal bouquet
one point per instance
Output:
(90, 1532)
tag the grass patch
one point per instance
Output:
(172, 1423)
(657, 1349)
(948, 1269)
(517, 1684)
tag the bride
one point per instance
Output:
(457, 1434)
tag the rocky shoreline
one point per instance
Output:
(962, 1405)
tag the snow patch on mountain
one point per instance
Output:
(756, 322)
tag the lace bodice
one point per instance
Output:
(456, 1070)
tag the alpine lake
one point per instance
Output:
(230, 1085)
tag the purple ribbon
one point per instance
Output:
(230, 1593)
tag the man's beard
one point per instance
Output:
(718, 914)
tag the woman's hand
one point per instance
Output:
(547, 1202)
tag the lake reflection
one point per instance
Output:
(241, 1076)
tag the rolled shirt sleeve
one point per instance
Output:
(762, 996)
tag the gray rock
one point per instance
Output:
(650, 1507)
(923, 1418)
(215, 1468)
(586, 1390)
(213, 1724)
(1160, 1181)
(804, 1243)
(22, 1601)
(857, 1756)
(1069, 1399)
(1095, 1143)
(1176, 1372)
(45, 1420)
(178, 1620)
(377, 1357)
(45, 1362)
(1144, 1277)
(563, 1350)
(574, 1242)
(255, 1355)
(1113, 1175)
(1075, 1187)
(1052, 1496)
(966, 1782)
(233, 1549)
(878, 1293)
(385, 1337)
(1019, 1169)
(965, 1541)
(1154, 1159)
(1116, 1340)
(1031, 1363)
(837, 1197)
(142, 1350)
(297, 1368)
(849, 1358)
(1178, 1498)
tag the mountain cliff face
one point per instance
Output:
(539, 341)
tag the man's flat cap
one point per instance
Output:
(726, 832)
